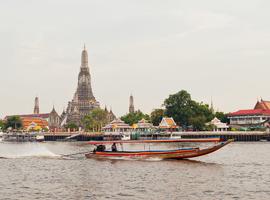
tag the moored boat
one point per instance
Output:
(182, 153)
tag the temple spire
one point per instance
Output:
(131, 104)
(84, 58)
(36, 108)
(212, 106)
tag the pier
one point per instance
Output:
(237, 136)
(73, 136)
(241, 136)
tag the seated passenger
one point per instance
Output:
(101, 148)
(114, 148)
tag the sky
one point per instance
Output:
(150, 48)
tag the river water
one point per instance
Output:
(37, 171)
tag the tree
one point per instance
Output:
(71, 126)
(14, 122)
(88, 122)
(156, 116)
(187, 112)
(132, 118)
(222, 117)
(202, 109)
(180, 107)
(198, 122)
(2, 124)
(95, 120)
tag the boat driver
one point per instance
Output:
(114, 148)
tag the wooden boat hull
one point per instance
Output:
(201, 140)
(169, 154)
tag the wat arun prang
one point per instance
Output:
(83, 101)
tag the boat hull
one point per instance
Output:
(170, 154)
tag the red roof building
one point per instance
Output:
(257, 116)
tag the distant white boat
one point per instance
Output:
(125, 136)
(40, 138)
(175, 136)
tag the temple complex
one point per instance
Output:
(83, 100)
(40, 121)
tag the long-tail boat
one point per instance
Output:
(182, 153)
(210, 139)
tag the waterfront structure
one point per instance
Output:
(143, 126)
(168, 124)
(218, 126)
(116, 127)
(131, 104)
(36, 107)
(259, 116)
(83, 100)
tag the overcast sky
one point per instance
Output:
(218, 49)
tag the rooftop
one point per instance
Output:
(250, 112)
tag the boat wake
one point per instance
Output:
(10, 151)
(130, 158)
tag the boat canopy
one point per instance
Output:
(216, 139)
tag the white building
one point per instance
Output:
(218, 125)
(116, 127)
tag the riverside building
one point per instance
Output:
(259, 116)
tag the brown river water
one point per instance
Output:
(37, 171)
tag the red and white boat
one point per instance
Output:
(181, 153)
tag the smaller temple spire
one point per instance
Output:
(36, 108)
(212, 106)
(53, 109)
(131, 104)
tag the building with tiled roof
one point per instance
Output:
(117, 126)
(143, 126)
(265, 105)
(251, 117)
(168, 124)
(34, 123)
